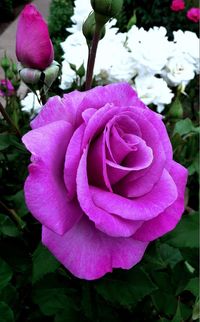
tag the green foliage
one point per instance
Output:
(59, 19)
(43, 263)
(163, 287)
(151, 13)
(189, 225)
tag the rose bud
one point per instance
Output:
(30, 76)
(89, 28)
(34, 48)
(39, 78)
(109, 8)
(193, 14)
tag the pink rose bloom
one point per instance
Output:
(177, 5)
(6, 88)
(194, 14)
(102, 180)
(34, 48)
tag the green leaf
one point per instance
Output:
(7, 227)
(6, 314)
(170, 255)
(182, 313)
(196, 310)
(127, 288)
(5, 273)
(193, 286)
(176, 109)
(186, 232)
(43, 262)
(19, 203)
(8, 294)
(73, 67)
(68, 314)
(194, 166)
(52, 295)
(164, 302)
(81, 71)
(161, 255)
(185, 126)
(5, 141)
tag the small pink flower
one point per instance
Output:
(34, 48)
(177, 5)
(6, 88)
(194, 14)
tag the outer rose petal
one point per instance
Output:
(33, 45)
(167, 220)
(72, 158)
(89, 253)
(45, 191)
(71, 107)
(57, 109)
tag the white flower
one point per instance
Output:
(178, 71)
(30, 104)
(113, 61)
(82, 8)
(150, 49)
(154, 90)
(187, 43)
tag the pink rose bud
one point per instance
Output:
(6, 88)
(34, 48)
(194, 14)
(177, 5)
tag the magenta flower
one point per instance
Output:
(6, 88)
(33, 45)
(102, 180)
(177, 5)
(194, 14)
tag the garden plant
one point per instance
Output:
(99, 135)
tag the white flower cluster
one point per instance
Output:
(145, 59)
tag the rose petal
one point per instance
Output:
(140, 182)
(89, 254)
(135, 161)
(72, 158)
(117, 147)
(104, 221)
(57, 109)
(167, 220)
(97, 173)
(45, 192)
(156, 120)
(163, 194)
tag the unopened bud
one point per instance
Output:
(10, 75)
(5, 63)
(51, 73)
(30, 76)
(108, 8)
(89, 27)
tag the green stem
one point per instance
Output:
(9, 120)
(91, 59)
(20, 223)
(43, 96)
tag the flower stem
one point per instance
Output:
(43, 96)
(20, 223)
(9, 120)
(91, 59)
